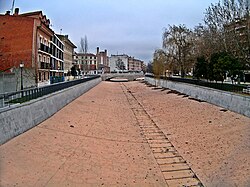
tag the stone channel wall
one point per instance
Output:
(22, 117)
(231, 101)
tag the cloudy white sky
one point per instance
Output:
(133, 27)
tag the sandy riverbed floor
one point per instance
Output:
(96, 141)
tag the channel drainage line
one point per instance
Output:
(188, 169)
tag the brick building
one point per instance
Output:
(135, 65)
(102, 61)
(27, 38)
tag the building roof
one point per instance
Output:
(66, 39)
(121, 55)
(32, 13)
(86, 54)
(36, 15)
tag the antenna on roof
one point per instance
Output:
(13, 5)
(60, 31)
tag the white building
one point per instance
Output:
(88, 63)
(118, 63)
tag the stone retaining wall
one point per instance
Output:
(20, 118)
(231, 101)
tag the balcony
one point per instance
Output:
(45, 48)
(44, 65)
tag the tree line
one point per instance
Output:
(217, 49)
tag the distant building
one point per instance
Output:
(87, 63)
(118, 63)
(68, 53)
(125, 63)
(135, 65)
(102, 61)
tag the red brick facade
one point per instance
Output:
(21, 40)
(16, 36)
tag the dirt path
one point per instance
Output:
(97, 140)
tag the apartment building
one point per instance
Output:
(135, 65)
(57, 60)
(27, 38)
(87, 63)
(68, 54)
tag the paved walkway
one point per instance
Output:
(97, 141)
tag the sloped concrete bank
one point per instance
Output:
(20, 118)
(234, 102)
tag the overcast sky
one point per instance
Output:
(133, 27)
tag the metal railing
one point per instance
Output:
(220, 86)
(10, 98)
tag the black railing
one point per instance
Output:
(220, 86)
(29, 94)
(45, 48)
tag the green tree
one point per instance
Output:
(224, 65)
(73, 71)
(201, 68)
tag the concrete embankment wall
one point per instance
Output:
(20, 118)
(230, 101)
(129, 76)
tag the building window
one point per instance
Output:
(40, 76)
(44, 59)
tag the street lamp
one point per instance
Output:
(21, 68)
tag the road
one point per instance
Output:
(123, 134)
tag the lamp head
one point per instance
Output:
(21, 65)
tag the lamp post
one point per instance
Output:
(21, 68)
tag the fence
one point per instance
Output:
(29, 94)
(220, 86)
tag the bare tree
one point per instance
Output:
(120, 64)
(159, 62)
(178, 44)
(84, 45)
(229, 20)
(84, 50)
